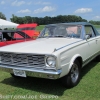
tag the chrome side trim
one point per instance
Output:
(77, 42)
(67, 45)
(89, 59)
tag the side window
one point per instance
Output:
(17, 36)
(89, 31)
(47, 33)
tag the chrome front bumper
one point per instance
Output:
(49, 74)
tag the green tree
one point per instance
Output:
(15, 19)
(47, 19)
(2, 16)
(94, 22)
(28, 19)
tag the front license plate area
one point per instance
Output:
(20, 73)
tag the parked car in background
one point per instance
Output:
(29, 29)
(60, 51)
(12, 36)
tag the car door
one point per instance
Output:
(92, 47)
(97, 41)
(15, 38)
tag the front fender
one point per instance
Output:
(66, 67)
(72, 60)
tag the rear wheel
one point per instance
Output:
(73, 78)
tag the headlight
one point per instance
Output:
(51, 61)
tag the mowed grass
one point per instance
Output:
(44, 89)
(40, 27)
(97, 26)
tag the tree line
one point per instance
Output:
(94, 22)
(2, 16)
(47, 19)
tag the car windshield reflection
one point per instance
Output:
(72, 31)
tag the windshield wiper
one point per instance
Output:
(58, 36)
(51, 36)
(44, 36)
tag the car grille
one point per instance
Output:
(26, 60)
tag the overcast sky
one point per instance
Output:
(87, 9)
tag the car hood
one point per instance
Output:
(39, 46)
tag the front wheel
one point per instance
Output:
(73, 78)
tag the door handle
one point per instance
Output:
(96, 40)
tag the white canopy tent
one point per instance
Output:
(7, 24)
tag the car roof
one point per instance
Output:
(8, 30)
(14, 31)
(71, 23)
(27, 25)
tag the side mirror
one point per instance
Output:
(87, 37)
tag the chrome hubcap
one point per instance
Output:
(74, 73)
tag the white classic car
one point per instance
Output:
(60, 51)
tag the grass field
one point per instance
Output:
(40, 27)
(44, 89)
(97, 26)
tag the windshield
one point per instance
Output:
(72, 31)
(98, 30)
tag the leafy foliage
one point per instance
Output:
(94, 22)
(2, 16)
(47, 19)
